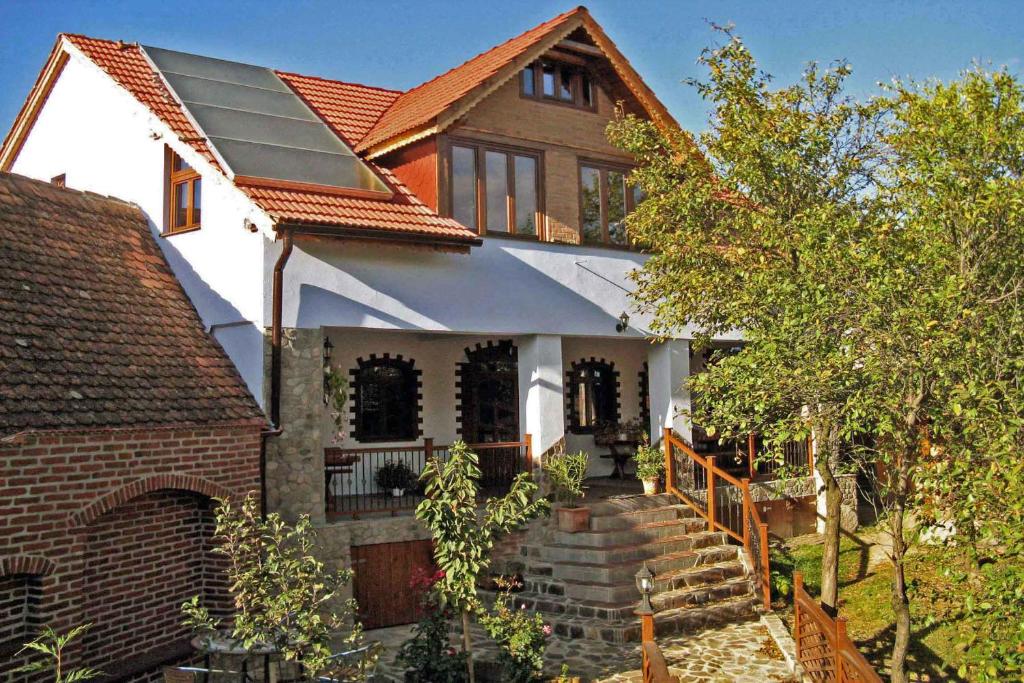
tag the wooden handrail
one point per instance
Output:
(713, 473)
(655, 668)
(822, 646)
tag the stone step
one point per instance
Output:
(628, 504)
(625, 572)
(625, 591)
(561, 553)
(631, 520)
(668, 622)
(698, 596)
(641, 533)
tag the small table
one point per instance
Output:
(621, 457)
(222, 644)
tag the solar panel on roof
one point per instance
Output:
(258, 127)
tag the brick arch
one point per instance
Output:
(31, 565)
(140, 487)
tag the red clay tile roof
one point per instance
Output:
(420, 105)
(403, 213)
(96, 331)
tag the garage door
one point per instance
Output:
(381, 583)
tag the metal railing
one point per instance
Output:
(351, 485)
(720, 498)
(823, 649)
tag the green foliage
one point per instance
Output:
(428, 654)
(395, 474)
(650, 461)
(521, 636)
(566, 473)
(51, 646)
(283, 595)
(462, 539)
(336, 395)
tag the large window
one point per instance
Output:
(495, 190)
(386, 404)
(605, 199)
(593, 395)
(185, 195)
(558, 82)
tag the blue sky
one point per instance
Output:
(400, 44)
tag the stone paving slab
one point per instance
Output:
(740, 653)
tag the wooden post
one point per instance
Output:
(746, 513)
(766, 574)
(798, 588)
(647, 627)
(711, 492)
(666, 445)
(840, 637)
(528, 438)
(810, 456)
(428, 447)
(750, 455)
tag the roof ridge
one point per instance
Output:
(555, 20)
(88, 194)
(338, 81)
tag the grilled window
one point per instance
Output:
(386, 400)
(593, 395)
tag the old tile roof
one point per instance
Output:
(350, 109)
(95, 330)
(424, 102)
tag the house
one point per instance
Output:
(389, 271)
(120, 420)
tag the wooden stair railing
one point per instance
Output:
(720, 498)
(655, 668)
(823, 649)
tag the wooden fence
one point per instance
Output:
(822, 647)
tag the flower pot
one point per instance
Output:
(573, 520)
(397, 493)
(650, 487)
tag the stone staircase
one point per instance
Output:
(584, 583)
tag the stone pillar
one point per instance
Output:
(541, 393)
(295, 459)
(668, 367)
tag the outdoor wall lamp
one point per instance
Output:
(645, 584)
(623, 323)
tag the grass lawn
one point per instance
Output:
(865, 600)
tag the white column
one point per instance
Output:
(668, 368)
(541, 398)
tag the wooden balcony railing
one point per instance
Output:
(823, 649)
(350, 474)
(720, 498)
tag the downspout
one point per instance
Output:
(275, 363)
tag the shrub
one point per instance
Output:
(51, 645)
(520, 635)
(428, 655)
(566, 471)
(650, 462)
(395, 474)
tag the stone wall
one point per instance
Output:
(802, 487)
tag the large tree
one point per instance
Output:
(749, 226)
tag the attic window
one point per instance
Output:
(184, 195)
(557, 82)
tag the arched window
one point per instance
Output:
(386, 399)
(593, 394)
(19, 603)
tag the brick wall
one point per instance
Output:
(111, 525)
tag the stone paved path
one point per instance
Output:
(740, 653)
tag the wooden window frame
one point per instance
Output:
(480, 149)
(603, 167)
(572, 394)
(576, 84)
(173, 178)
(412, 385)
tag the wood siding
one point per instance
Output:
(381, 584)
(416, 166)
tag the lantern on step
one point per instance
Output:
(645, 584)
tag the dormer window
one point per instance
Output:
(558, 82)
(184, 195)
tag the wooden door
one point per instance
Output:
(381, 582)
(489, 392)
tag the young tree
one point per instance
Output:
(941, 337)
(462, 537)
(52, 645)
(749, 227)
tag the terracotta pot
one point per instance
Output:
(573, 519)
(650, 487)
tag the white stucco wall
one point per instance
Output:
(106, 142)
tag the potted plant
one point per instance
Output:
(606, 432)
(650, 465)
(395, 476)
(566, 471)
